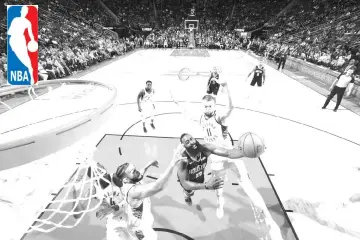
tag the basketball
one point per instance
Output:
(184, 74)
(32, 46)
(251, 145)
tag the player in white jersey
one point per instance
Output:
(115, 209)
(113, 206)
(146, 105)
(215, 131)
(137, 196)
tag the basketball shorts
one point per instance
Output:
(257, 81)
(147, 109)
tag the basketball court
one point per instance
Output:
(306, 147)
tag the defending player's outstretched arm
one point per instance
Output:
(142, 191)
(223, 152)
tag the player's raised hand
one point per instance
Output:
(214, 183)
(154, 163)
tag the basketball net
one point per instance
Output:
(70, 206)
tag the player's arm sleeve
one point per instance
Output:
(223, 152)
(183, 175)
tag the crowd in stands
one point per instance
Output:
(326, 33)
(72, 37)
(68, 43)
(254, 14)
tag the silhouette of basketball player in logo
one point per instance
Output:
(17, 40)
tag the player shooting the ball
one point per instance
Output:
(191, 170)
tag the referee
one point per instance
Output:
(339, 87)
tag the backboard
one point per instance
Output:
(192, 24)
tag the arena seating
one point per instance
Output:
(72, 35)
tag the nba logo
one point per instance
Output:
(22, 44)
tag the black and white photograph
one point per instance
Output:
(180, 119)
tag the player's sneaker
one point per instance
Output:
(219, 212)
(188, 201)
(152, 125)
(145, 130)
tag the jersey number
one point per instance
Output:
(208, 132)
(199, 174)
(112, 202)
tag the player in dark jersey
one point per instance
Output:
(213, 85)
(191, 170)
(258, 77)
